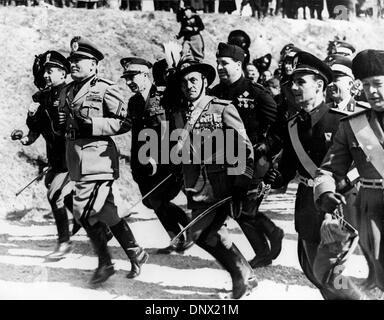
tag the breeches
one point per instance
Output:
(210, 229)
(59, 187)
(95, 201)
(370, 207)
(307, 219)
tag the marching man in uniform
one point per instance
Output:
(146, 112)
(309, 135)
(39, 121)
(258, 111)
(360, 139)
(208, 181)
(91, 110)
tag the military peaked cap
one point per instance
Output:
(56, 59)
(368, 63)
(304, 62)
(82, 47)
(340, 65)
(342, 47)
(134, 65)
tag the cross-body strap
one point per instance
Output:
(302, 155)
(368, 142)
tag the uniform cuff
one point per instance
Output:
(323, 184)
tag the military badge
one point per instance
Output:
(328, 136)
(75, 46)
(294, 62)
(48, 58)
(330, 60)
(245, 94)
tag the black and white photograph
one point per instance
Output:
(208, 151)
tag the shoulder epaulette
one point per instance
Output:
(356, 114)
(337, 111)
(363, 104)
(222, 101)
(110, 82)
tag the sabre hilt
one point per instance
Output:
(344, 224)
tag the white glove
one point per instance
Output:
(331, 230)
(33, 108)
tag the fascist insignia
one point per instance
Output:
(75, 46)
(329, 60)
(48, 58)
(294, 62)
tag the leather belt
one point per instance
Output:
(372, 183)
(306, 181)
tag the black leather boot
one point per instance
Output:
(274, 234)
(257, 240)
(126, 239)
(64, 245)
(96, 234)
(234, 262)
(138, 257)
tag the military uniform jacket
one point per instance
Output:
(42, 123)
(219, 115)
(315, 130)
(345, 150)
(93, 156)
(256, 106)
(148, 115)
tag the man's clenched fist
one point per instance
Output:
(33, 108)
(329, 201)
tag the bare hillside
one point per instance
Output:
(25, 32)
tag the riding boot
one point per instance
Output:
(274, 234)
(96, 234)
(182, 218)
(234, 262)
(126, 239)
(64, 245)
(171, 248)
(257, 240)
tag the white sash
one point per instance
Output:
(304, 158)
(368, 141)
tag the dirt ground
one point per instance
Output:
(26, 238)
